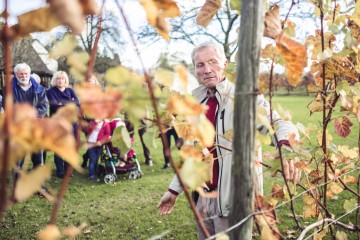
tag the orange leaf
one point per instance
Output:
(97, 103)
(182, 71)
(185, 105)
(342, 127)
(295, 58)
(51, 232)
(207, 12)
(169, 9)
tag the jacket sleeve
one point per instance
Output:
(42, 104)
(282, 127)
(175, 185)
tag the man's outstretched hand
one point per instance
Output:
(291, 172)
(167, 203)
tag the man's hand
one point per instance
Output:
(167, 203)
(291, 172)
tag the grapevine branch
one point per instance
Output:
(165, 143)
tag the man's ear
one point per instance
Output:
(225, 63)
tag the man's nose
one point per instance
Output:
(207, 68)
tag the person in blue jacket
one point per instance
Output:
(59, 95)
(27, 90)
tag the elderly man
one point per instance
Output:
(27, 90)
(216, 91)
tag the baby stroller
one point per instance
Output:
(114, 163)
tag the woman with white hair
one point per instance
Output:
(59, 95)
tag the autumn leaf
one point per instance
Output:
(73, 232)
(79, 61)
(157, 11)
(188, 151)
(185, 105)
(164, 77)
(70, 13)
(340, 235)
(295, 58)
(121, 139)
(349, 179)
(319, 137)
(39, 20)
(51, 232)
(356, 14)
(90, 7)
(205, 131)
(194, 173)
(350, 204)
(122, 76)
(183, 73)
(342, 127)
(97, 103)
(69, 112)
(335, 188)
(351, 153)
(30, 183)
(277, 192)
(65, 47)
(207, 12)
(184, 130)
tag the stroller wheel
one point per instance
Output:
(133, 174)
(109, 178)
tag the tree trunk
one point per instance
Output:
(242, 199)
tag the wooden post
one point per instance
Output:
(242, 199)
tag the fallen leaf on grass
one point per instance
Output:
(51, 232)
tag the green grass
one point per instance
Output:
(127, 209)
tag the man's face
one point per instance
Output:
(209, 69)
(23, 77)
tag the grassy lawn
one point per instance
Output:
(127, 209)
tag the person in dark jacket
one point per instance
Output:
(59, 95)
(27, 90)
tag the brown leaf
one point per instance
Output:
(277, 192)
(342, 127)
(207, 12)
(39, 20)
(169, 9)
(97, 103)
(272, 23)
(90, 7)
(70, 13)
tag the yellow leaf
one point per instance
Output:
(356, 15)
(39, 20)
(164, 77)
(268, 234)
(319, 136)
(222, 236)
(349, 179)
(340, 235)
(207, 12)
(51, 232)
(183, 73)
(205, 132)
(121, 75)
(194, 173)
(30, 183)
(78, 60)
(64, 47)
(69, 113)
(121, 139)
(229, 134)
(351, 153)
(309, 211)
(335, 188)
(73, 232)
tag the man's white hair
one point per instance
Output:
(21, 66)
(217, 48)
